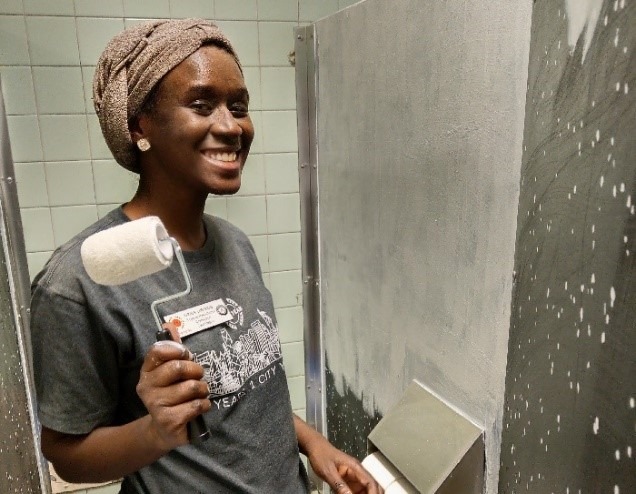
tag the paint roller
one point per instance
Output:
(130, 251)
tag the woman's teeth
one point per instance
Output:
(222, 156)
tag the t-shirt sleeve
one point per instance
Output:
(75, 365)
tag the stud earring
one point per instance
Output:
(143, 144)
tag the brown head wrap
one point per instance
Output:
(132, 64)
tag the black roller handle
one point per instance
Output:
(197, 430)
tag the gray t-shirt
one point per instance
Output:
(89, 342)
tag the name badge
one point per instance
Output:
(204, 316)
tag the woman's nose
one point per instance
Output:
(223, 122)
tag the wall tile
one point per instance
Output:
(36, 261)
(129, 22)
(276, 42)
(301, 414)
(69, 221)
(38, 233)
(99, 8)
(244, 38)
(13, 34)
(283, 213)
(294, 359)
(248, 213)
(157, 9)
(284, 252)
(17, 88)
(192, 8)
(310, 10)
(278, 88)
(278, 10)
(253, 176)
(259, 242)
(104, 209)
(31, 184)
(267, 281)
(290, 324)
(24, 135)
(216, 206)
(286, 288)
(41, 30)
(69, 183)
(281, 173)
(59, 90)
(297, 392)
(279, 132)
(48, 7)
(93, 35)
(87, 77)
(64, 137)
(11, 7)
(113, 183)
(99, 148)
(252, 77)
(231, 9)
(257, 121)
(346, 3)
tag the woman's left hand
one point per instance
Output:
(343, 473)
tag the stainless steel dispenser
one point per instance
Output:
(425, 445)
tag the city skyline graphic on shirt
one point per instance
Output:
(227, 371)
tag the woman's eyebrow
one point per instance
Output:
(203, 90)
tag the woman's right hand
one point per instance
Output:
(171, 388)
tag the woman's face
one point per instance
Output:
(199, 128)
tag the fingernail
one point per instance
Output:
(173, 344)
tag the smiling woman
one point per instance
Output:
(174, 108)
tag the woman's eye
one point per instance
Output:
(201, 107)
(239, 109)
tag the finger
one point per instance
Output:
(172, 372)
(180, 392)
(339, 486)
(163, 351)
(172, 421)
(164, 401)
(356, 474)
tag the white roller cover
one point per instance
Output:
(126, 252)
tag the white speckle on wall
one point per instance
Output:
(596, 425)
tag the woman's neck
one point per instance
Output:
(182, 218)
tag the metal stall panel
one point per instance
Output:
(24, 470)
(420, 109)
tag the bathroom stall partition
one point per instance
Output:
(23, 469)
(468, 209)
(410, 128)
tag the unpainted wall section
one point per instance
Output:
(420, 118)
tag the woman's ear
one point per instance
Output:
(136, 126)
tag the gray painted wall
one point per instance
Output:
(420, 118)
(570, 411)
(19, 460)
